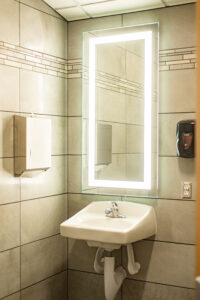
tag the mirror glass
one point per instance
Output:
(120, 103)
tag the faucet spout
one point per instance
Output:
(113, 212)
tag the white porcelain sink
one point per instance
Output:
(91, 223)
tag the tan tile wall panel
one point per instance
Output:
(52, 288)
(33, 72)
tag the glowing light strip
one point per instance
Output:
(147, 37)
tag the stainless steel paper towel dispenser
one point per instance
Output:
(32, 144)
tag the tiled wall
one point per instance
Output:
(33, 68)
(167, 260)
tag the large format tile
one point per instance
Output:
(138, 290)
(9, 21)
(167, 135)
(9, 272)
(177, 91)
(74, 135)
(42, 259)
(90, 286)
(53, 34)
(15, 296)
(42, 6)
(173, 171)
(59, 135)
(74, 174)
(42, 94)
(74, 97)
(176, 24)
(9, 97)
(42, 217)
(9, 184)
(76, 28)
(46, 183)
(164, 263)
(10, 226)
(54, 288)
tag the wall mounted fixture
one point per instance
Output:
(146, 36)
(32, 144)
(185, 138)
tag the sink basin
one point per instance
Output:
(91, 224)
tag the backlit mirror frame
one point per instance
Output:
(146, 36)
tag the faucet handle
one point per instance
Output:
(114, 205)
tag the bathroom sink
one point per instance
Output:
(91, 223)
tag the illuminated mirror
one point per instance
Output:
(120, 102)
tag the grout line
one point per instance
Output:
(158, 283)
(163, 284)
(56, 274)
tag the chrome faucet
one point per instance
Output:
(113, 212)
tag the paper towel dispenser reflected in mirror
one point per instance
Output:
(185, 138)
(103, 144)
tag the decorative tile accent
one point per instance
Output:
(178, 59)
(23, 58)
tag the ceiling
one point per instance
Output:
(84, 9)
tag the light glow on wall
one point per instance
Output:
(147, 37)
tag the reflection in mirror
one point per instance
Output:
(120, 111)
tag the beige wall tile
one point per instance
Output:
(110, 106)
(111, 60)
(42, 6)
(76, 28)
(54, 288)
(177, 91)
(90, 286)
(179, 19)
(74, 97)
(147, 291)
(10, 226)
(167, 135)
(6, 134)
(15, 296)
(59, 135)
(135, 167)
(51, 182)
(9, 272)
(9, 97)
(42, 94)
(9, 185)
(41, 218)
(165, 263)
(52, 37)
(173, 171)
(9, 21)
(74, 174)
(74, 135)
(135, 139)
(134, 67)
(176, 221)
(42, 259)
(134, 110)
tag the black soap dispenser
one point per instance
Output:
(185, 138)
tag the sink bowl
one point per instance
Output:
(91, 223)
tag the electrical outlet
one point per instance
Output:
(187, 189)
